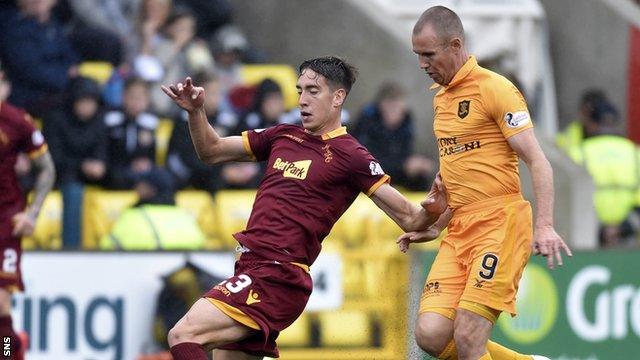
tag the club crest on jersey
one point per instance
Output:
(463, 108)
(293, 169)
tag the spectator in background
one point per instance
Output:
(78, 142)
(182, 160)
(152, 15)
(584, 126)
(210, 14)
(117, 16)
(84, 36)
(612, 161)
(178, 54)
(385, 127)
(227, 46)
(154, 222)
(267, 110)
(132, 136)
(37, 57)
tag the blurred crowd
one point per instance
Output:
(596, 141)
(103, 130)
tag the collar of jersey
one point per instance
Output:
(335, 133)
(461, 74)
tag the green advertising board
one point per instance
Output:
(588, 309)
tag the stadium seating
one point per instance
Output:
(100, 71)
(298, 334)
(351, 228)
(233, 208)
(163, 135)
(284, 75)
(48, 232)
(345, 328)
(100, 211)
(200, 205)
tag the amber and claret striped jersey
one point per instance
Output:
(17, 135)
(473, 118)
(308, 184)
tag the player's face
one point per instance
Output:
(436, 56)
(319, 104)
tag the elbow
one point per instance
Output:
(208, 158)
(208, 155)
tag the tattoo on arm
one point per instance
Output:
(46, 175)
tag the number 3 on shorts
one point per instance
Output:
(489, 265)
(240, 284)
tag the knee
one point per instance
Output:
(431, 338)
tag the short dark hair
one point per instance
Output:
(446, 23)
(337, 71)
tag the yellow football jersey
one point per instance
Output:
(474, 116)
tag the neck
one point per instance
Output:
(459, 62)
(328, 127)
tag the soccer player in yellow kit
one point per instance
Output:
(482, 127)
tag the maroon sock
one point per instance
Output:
(6, 329)
(188, 351)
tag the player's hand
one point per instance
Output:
(548, 243)
(23, 224)
(436, 202)
(186, 95)
(431, 233)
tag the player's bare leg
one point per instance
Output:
(471, 333)
(204, 326)
(219, 354)
(5, 302)
(6, 324)
(433, 332)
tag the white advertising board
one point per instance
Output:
(99, 306)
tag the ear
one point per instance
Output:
(338, 97)
(456, 43)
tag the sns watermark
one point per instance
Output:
(6, 347)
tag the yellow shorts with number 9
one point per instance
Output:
(482, 257)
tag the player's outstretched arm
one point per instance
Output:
(24, 222)
(210, 147)
(407, 215)
(429, 234)
(546, 241)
